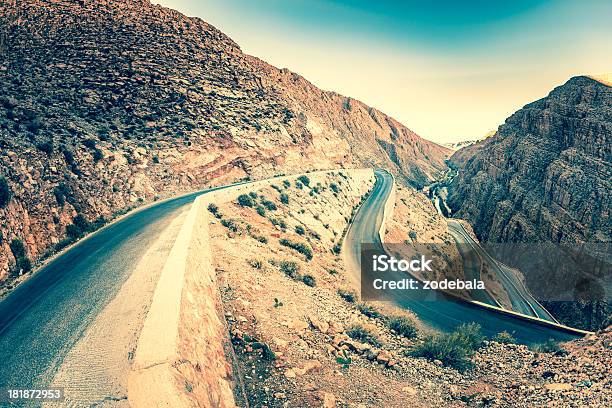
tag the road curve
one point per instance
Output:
(42, 319)
(522, 301)
(437, 309)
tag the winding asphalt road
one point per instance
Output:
(44, 317)
(437, 309)
(522, 301)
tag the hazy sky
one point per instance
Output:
(450, 70)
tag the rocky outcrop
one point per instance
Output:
(107, 104)
(546, 175)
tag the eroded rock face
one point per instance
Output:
(117, 103)
(545, 176)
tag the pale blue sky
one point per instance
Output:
(449, 70)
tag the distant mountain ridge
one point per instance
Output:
(106, 104)
(465, 143)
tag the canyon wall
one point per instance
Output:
(545, 176)
(107, 104)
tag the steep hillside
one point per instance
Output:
(545, 176)
(108, 104)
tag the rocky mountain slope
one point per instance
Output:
(545, 176)
(108, 104)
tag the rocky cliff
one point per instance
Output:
(105, 105)
(546, 175)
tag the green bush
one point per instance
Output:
(299, 185)
(286, 183)
(17, 248)
(277, 221)
(69, 157)
(255, 263)
(34, 124)
(73, 232)
(284, 198)
(309, 280)
(337, 249)
(334, 188)
(368, 310)
(270, 206)
(97, 155)
(261, 211)
(452, 349)
(61, 192)
(98, 223)
(344, 360)
(300, 230)
(298, 246)
(347, 295)
(504, 338)
(245, 200)
(471, 335)
(253, 195)
(5, 193)
(22, 262)
(230, 225)
(213, 208)
(62, 244)
(290, 268)
(403, 326)
(89, 143)
(446, 349)
(79, 227)
(304, 180)
(360, 333)
(261, 238)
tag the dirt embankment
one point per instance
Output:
(263, 278)
(290, 302)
